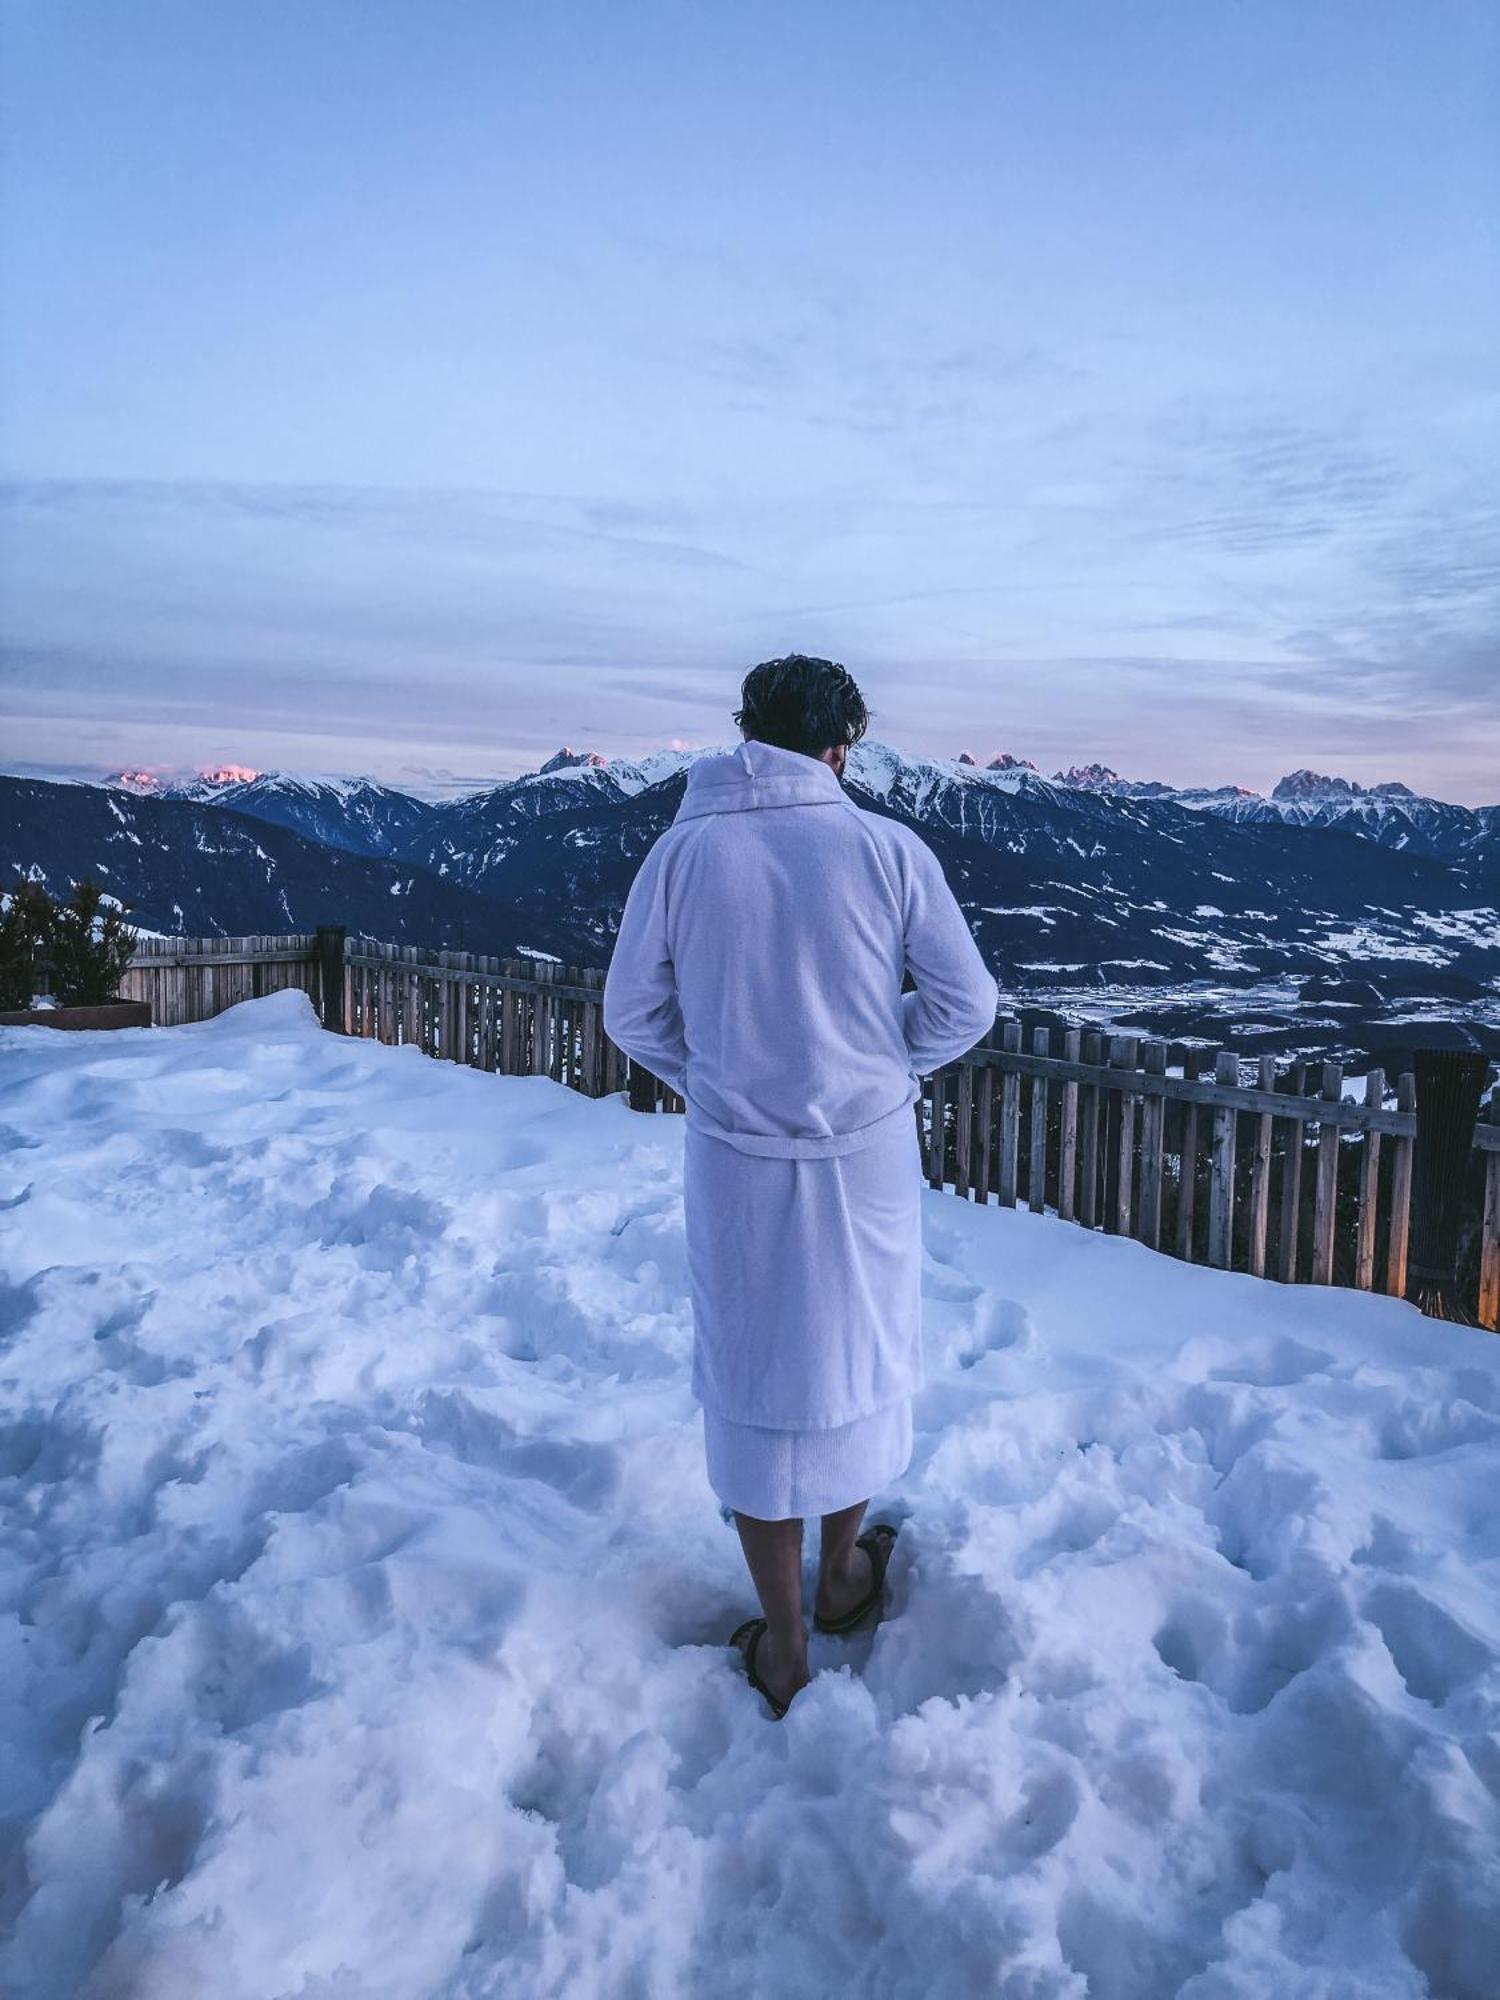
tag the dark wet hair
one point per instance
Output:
(800, 703)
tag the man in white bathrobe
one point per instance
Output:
(759, 972)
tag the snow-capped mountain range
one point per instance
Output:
(1392, 814)
(1323, 905)
(369, 816)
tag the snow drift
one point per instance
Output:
(363, 1601)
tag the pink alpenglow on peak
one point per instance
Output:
(228, 774)
(154, 784)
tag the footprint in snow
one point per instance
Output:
(1434, 1655)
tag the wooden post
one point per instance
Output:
(459, 1022)
(1369, 1187)
(1088, 1190)
(443, 1008)
(985, 1165)
(513, 1021)
(1067, 1151)
(539, 1053)
(1402, 1148)
(589, 1034)
(564, 1056)
(330, 949)
(1221, 1186)
(963, 1128)
(562, 1022)
(1449, 1086)
(488, 1002)
(1260, 1172)
(414, 1011)
(416, 999)
(1153, 1125)
(585, 1078)
(937, 1137)
(614, 1059)
(394, 1013)
(1036, 1179)
(1109, 1142)
(1010, 1116)
(1187, 1185)
(553, 975)
(1124, 1053)
(1325, 1194)
(396, 994)
(1288, 1247)
(1489, 1234)
(365, 976)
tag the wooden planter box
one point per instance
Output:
(113, 1014)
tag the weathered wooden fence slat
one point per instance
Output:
(1125, 1054)
(1292, 1131)
(1221, 1183)
(1010, 1117)
(1401, 1162)
(1067, 1146)
(1260, 1172)
(937, 1130)
(986, 1150)
(1036, 1177)
(1153, 1126)
(1088, 1197)
(1489, 1233)
(1326, 1182)
(1110, 1110)
(1369, 1190)
(1187, 1178)
(963, 1129)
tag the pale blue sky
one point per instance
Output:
(413, 387)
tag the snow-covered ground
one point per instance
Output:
(363, 1602)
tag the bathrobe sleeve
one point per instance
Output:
(641, 1011)
(953, 1006)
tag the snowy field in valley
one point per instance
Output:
(364, 1602)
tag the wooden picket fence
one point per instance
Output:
(1281, 1175)
(1284, 1177)
(192, 979)
(516, 1016)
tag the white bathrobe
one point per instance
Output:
(758, 971)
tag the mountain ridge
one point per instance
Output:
(1140, 903)
(1390, 813)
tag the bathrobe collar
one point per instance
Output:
(757, 774)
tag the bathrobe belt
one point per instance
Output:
(811, 1146)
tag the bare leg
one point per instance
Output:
(845, 1572)
(773, 1552)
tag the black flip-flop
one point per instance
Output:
(746, 1638)
(877, 1543)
